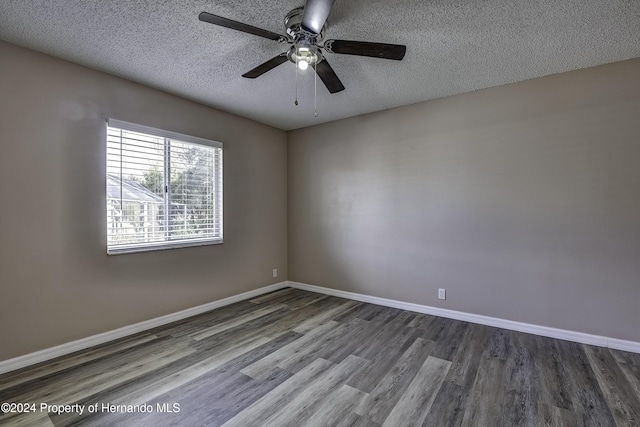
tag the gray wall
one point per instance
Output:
(523, 201)
(56, 282)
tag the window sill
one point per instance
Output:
(124, 249)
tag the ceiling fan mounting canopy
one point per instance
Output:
(305, 27)
(294, 28)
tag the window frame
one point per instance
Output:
(180, 138)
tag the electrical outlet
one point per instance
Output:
(442, 294)
(275, 272)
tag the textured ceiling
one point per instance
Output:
(453, 46)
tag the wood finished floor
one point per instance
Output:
(296, 358)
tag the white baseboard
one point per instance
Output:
(81, 344)
(544, 331)
(84, 343)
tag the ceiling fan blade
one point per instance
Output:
(375, 50)
(267, 66)
(315, 14)
(328, 76)
(239, 26)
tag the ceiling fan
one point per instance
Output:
(305, 33)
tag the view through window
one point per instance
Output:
(164, 189)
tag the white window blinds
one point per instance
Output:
(164, 190)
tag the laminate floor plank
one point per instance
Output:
(387, 314)
(431, 327)
(324, 347)
(299, 298)
(290, 321)
(499, 343)
(383, 361)
(384, 397)
(630, 365)
(303, 302)
(371, 311)
(422, 321)
(264, 365)
(448, 406)
(357, 333)
(587, 401)
(69, 389)
(625, 357)
(269, 405)
(486, 397)
(464, 364)
(270, 325)
(37, 419)
(68, 362)
(552, 416)
(190, 373)
(266, 298)
(359, 309)
(72, 385)
(131, 387)
(220, 377)
(553, 374)
(322, 317)
(252, 356)
(211, 406)
(486, 394)
(298, 358)
(449, 339)
(383, 333)
(198, 322)
(332, 301)
(355, 420)
(336, 408)
(232, 323)
(296, 411)
(246, 330)
(522, 391)
(617, 390)
(450, 403)
(416, 401)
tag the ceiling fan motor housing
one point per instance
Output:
(305, 43)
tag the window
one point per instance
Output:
(164, 190)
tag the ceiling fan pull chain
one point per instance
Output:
(315, 94)
(296, 102)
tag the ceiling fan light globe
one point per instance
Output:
(303, 64)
